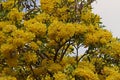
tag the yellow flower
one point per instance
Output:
(48, 5)
(39, 42)
(54, 67)
(2, 37)
(70, 0)
(62, 13)
(29, 22)
(91, 28)
(38, 28)
(105, 34)
(29, 77)
(47, 77)
(86, 73)
(8, 4)
(59, 31)
(14, 15)
(52, 43)
(111, 73)
(86, 15)
(22, 37)
(103, 41)
(80, 29)
(91, 39)
(7, 78)
(7, 49)
(18, 42)
(111, 49)
(85, 64)
(115, 76)
(60, 76)
(42, 17)
(12, 62)
(3, 24)
(34, 46)
(30, 57)
(96, 19)
(9, 28)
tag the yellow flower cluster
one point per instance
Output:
(80, 29)
(43, 17)
(58, 31)
(8, 4)
(34, 46)
(62, 13)
(39, 48)
(15, 15)
(7, 78)
(20, 37)
(68, 61)
(9, 28)
(47, 77)
(88, 17)
(2, 37)
(86, 70)
(55, 67)
(111, 73)
(70, 0)
(35, 27)
(111, 49)
(13, 61)
(7, 49)
(85, 64)
(48, 5)
(5, 28)
(91, 39)
(30, 57)
(60, 76)
(97, 36)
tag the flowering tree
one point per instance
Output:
(36, 42)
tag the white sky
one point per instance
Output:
(109, 10)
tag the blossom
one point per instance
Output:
(86, 73)
(7, 49)
(7, 78)
(60, 76)
(9, 28)
(2, 37)
(8, 4)
(12, 62)
(91, 39)
(20, 37)
(38, 28)
(48, 5)
(80, 29)
(111, 73)
(61, 31)
(55, 67)
(42, 17)
(14, 15)
(34, 46)
(30, 57)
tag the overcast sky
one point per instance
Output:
(109, 10)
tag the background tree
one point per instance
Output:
(36, 42)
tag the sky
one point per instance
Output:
(109, 11)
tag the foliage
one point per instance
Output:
(37, 41)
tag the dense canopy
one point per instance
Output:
(41, 41)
